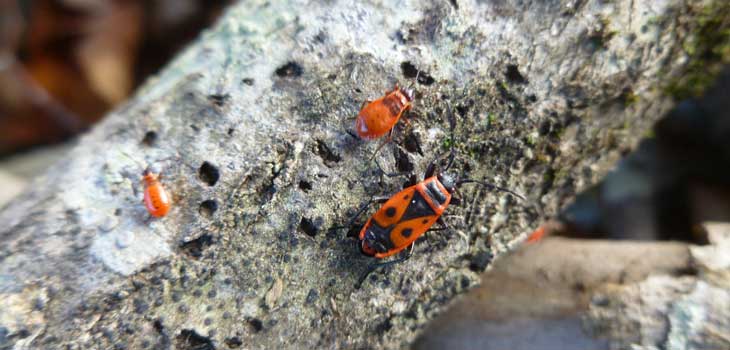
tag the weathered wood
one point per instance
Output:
(547, 96)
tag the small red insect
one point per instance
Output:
(536, 235)
(378, 117)
(411, 212)
(156, 199)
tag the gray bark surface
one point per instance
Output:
(547, 96)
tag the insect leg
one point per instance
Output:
(446, 227)
(349, 132)
(375, 266)
(431, 169)
(443, 224)
(387, 140)
(366, 102)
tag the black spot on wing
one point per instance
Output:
(417, 208)
(406, 232)
(390, 212)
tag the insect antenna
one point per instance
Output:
(418, 73)
(452, 127)
(129, 156)
(431, 169)
(490, 186)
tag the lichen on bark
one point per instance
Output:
(251, 120)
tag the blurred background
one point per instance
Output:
(65, 63)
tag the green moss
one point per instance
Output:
(531, 140)
(542, 158)
(548, 176)
(708, 48)
(654, 20)
(630, 98)
(446, 144)
(491, 119)
(602, 35)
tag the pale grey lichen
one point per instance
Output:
(266, 96)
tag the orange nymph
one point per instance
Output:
(156, 198)
(378, 117)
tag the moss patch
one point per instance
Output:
(708, 48)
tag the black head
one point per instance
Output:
(152, 169)
(365, 248)
(448, 181)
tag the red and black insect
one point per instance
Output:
(411, 212)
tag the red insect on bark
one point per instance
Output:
(410, 213)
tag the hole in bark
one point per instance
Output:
(150, 138)
(410, 71)
(305, 185)
(326, 153)
(247, 81)
(513, 74)
(196, 247)
(219, 99)
(310, 227)
(454, 4)
(321, 37)
(188, 339)
(402, 161)
(312, 296)
(600, 38)
(208, 207)
(411, 143)
(140, 306)
(256, 325)
(233, 342)
(480, 261)
(159, 327)
(383, 327)
(291, 69)
(209, 173)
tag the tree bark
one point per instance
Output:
(249, 126)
